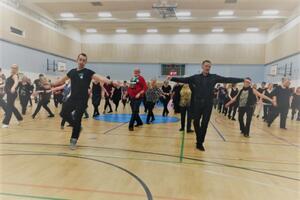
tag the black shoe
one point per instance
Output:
(182, 129)
(148, 122)
(50, 116)
(33, 116)
(110, 111)
(269, 125)
(131, 129)
(246, 135)
(229, 117)
(200, 147)
(257, 116)
(233, 119)
(138, 125)
(190, 131)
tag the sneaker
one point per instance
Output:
(4, 126)
(73, 143)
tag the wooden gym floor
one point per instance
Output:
(112, 163)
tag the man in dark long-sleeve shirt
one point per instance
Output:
(202, 86)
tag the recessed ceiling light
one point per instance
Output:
(104, 14)
(217, 30)
(226, 12)
(184, 30)
(183, 14)
(91, 30)
(152, 31)
(121, 31)
(143, 14)
(270, 12)
(67, 15)
(252, 29)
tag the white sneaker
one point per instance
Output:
(4, 126)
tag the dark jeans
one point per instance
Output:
(232, 109)
(150, 116)
(11, 109)
(107, 103)
(79, 107)
(185, 111)
(201, 112)
(42, 103)
(124, 101)
(274, 112)
(24, 102)
(135, 108)
(245, 128)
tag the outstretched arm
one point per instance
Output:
(103, 79)
(262, 96)
(231, 101)
(60, 81)
(221, 79)
(179, 79)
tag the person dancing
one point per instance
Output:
(202, 86)
(81, 78)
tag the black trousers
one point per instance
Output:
(135, 109)
(201, 112)
(150, 116)
(79, 106)
(24, 102)
(107, 103)
(221, 105)
(3, 104)
(42, 103)
(266, 111)
(232, 110)
(11, 109)
(116, 102)
(165, 102)
(96, 103)
(57, 99)
(186, 112)
(124, 101)
(245, 127)
(274, 112)
(176, 105)
(294, 111)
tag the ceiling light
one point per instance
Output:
(183, 14)
(91, 30)
(217, 30)
(104, 14)
(270, 12)
(252, 29)
(121, 31)
(152, 31)
(67, 15)
(184, 30)
(226, 12)
(143, 14)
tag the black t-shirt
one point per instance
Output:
(24, 90)
(80, 83)
(283, 96)
(166, 89)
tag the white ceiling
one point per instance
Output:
(204, 14)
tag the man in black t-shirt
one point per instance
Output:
(281, 95)
(80, 82)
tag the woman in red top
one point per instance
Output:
(136, 92)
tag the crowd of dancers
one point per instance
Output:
(192, 97)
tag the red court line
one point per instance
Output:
(89, 190)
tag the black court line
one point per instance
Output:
(282, 139)
(143, 159)
(176, 156)
(217, 130)
(114, 128)
(139, 180)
